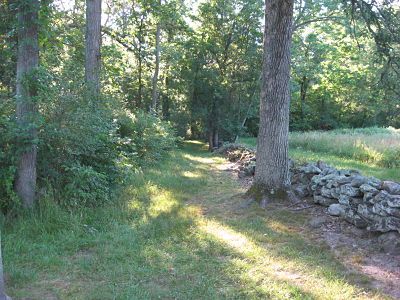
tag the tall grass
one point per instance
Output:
(380, 146)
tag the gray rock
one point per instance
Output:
(328, 177)
(343, 180)
(317, 222)
(365, 211)
(330, 184)
(368, 198)
(315, 181)
(392, 200)
(326, 192)
(329, 170)
(375, 182)
(391, 187)
(358, 180)
(383, 209)
(301, 190)
(380, 209)
(344, 199)
(323, 200)
(350, 201)
(336, 209)
(310, 169)
(366, 188)
(349, 190)
(385, 224)
(390, 242)
(335, 192)
(352, 217)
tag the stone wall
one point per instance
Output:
(363, 201)
(366, 202)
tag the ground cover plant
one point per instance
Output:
(173, 234)
(102, 198)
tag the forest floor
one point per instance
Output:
(184, 231)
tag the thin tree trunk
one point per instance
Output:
(27, 62)
(154, 93)
(303, 95)
(272, 170)
(140, 64)
(93, 45)
(166, 99)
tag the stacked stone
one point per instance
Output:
(363, 201)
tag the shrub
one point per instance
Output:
(148, 136)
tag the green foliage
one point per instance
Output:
(8, 198)
(146, 135)
(157, 242)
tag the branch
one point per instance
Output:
(320, 19)
(119, 39)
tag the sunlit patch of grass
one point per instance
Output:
(374, 151)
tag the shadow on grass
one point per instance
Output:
(154, 243)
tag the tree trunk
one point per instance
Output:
(303, 94)
(166, 100)
(272, 170)
(27, 63)
(93, 44)
(154, 93)
(140, 63)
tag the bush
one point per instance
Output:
(8, 198)
(146, 135)
(86, 147)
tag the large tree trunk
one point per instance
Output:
(27, 62)
(272, 170)
(154, 93)
(93, 44)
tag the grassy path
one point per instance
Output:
(177, 234)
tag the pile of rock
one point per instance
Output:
(363, 201)
(243, 156)
(366, 202)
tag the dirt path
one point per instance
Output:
(355, 249)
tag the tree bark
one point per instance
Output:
(27, 63)
(93, 45)
(154, 93)
(272, 169)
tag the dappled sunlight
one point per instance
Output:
(224, 234)
(200, 159)
(279, 226)
(260, 264)
(190, 174)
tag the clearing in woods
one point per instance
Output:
(181, 232)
